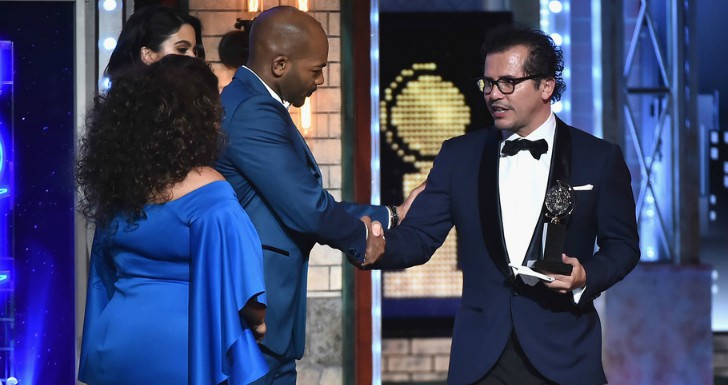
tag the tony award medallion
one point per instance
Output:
(559, 204)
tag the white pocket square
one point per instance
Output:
(585, 187)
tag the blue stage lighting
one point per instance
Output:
(555, 20)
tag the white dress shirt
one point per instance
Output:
(522, 182)
(270, 90)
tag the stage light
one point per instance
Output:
(556, 6)
(558, 40)
(11, 381)
(105, 84)
(555, 21)
(596, 41)
(109, 43)
(375, 164)
(650, 253)
(109, 5)
(110, 20)
(2, 155)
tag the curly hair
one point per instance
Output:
(156, 124)
(544, 56)
(149, 27)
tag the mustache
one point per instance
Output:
(499, 105)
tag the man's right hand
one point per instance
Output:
(375, 242)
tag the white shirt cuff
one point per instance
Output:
(577, 294)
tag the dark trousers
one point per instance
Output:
(513, 368)
(281, 368)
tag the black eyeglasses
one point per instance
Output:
(505, 85)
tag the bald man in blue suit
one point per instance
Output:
(278, 181)
(491, 184)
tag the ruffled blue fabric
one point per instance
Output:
(197, 258)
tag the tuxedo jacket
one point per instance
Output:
(561, 338)
(278, 183)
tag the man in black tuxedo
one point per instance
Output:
(511, 328)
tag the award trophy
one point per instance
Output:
(559, 205)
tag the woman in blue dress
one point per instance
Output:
(175, 292)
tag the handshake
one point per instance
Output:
(376, 243)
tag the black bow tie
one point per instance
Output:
(536, 148)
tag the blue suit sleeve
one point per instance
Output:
(428, 222)
(263, 148)
(617, 236)
(226, 272)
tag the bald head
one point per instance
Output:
(288, 50)
(282, 30)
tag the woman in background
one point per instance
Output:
(153, 32)
(175, 291)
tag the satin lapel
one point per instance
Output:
(490, 213)
(560, 170)
(561, 162)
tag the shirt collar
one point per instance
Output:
(270, 90)
(547, 130)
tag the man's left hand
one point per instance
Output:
(566, 283)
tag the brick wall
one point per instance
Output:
(415, 359)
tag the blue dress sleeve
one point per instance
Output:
(226, 272)
(101, 277)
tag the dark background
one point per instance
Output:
(452, 41)
(43, 230)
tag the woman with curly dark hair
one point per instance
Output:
(176, 278)
(153, 32)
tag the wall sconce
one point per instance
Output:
(306, 117)
(255, 7)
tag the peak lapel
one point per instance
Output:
(490, 212)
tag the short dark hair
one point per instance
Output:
(154, 126)
(233, 48)
(544, 56)
(149, 27)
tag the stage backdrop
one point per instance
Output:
(42, 217)
(427, 94)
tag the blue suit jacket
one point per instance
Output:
(562, 339)
(279, 185)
